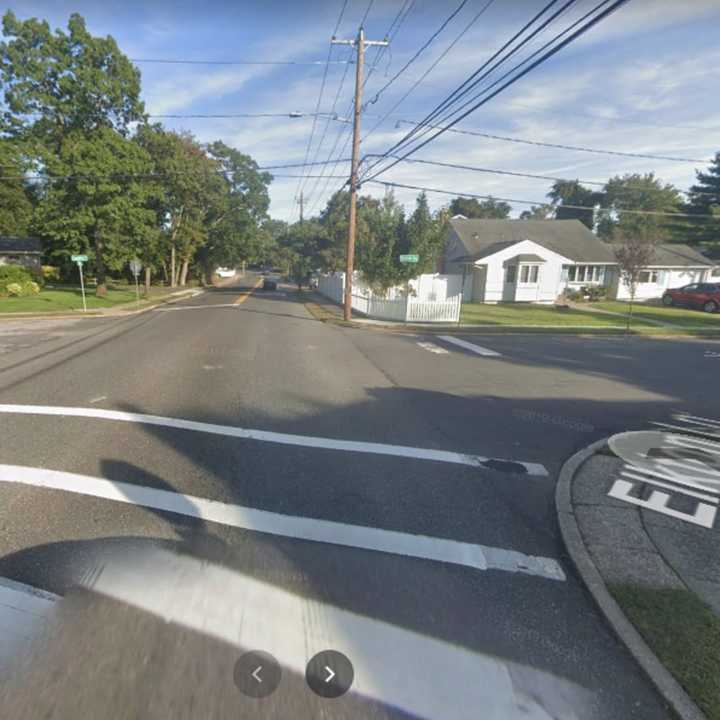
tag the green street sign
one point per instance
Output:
(79, 258)
(409, 258)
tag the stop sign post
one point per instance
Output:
(135, 268)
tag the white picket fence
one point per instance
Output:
(402, 309)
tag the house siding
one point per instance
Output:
(28, 260)
(667, 278)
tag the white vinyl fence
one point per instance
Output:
(396, 306)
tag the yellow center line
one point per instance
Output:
(244, 296)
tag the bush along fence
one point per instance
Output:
(401, 308)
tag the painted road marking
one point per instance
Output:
(194, 307)
(400, 667)
(480, 557)
(244, 296)
(414, 453)
(99, 399)
(469, 346)
(433, 348)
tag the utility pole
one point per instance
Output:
(360, 44)
(301, 207)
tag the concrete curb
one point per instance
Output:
(108, 313)
(666, 684)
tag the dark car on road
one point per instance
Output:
(704, 296)
(269, 284)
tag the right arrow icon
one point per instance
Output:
(330, 674)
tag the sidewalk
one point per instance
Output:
(654, 566)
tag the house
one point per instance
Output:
(673, 266)
(21, 251)
(536, 260)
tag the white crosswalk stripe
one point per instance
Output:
(469, 346)
(433, 348)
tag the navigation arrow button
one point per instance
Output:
(256, 673)
(330, 674)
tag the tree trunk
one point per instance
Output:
(101, 287)
(148, 275)
(173, 277)
(184, 272)
(166, 279)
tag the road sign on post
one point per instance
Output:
(80, 259)
(135, 268)
(409, 258)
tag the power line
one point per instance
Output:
(387, 183)
(402, 15)
(544, 57)
(559, 146)
(165, 61)
(419, 52)
(470, 82)
(457, 166)
(430, 69)
(322, 90)
(206, 116)
(310, 164)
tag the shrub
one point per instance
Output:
(14, 289)
(49, 272)
(31, 288)
(13, 274)
(594, 292)
(574, 295)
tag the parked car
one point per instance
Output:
(225, 272)
(269, 284)
(703, 296)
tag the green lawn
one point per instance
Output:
(685, 635)
(526, 314)
(675, 316)
(66, 299)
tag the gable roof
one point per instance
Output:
(9, 245)
(569, 238)
(677, 255)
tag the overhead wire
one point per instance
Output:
(412, 88)
(322, 88)
(388, 183)
(560, 146)
(604, 13)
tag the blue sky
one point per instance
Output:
(643, 81)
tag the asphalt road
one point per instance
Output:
(492, 624)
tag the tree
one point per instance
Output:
(571, 192)
(17, 198)
(424, 236)
(97, 204)
(472, 208)
(538, 212)
(639, 192)
(60, 83)
(633, 256)
(704, 201)
(234, 224)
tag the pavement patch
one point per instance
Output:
(479, 557)
(413, 453)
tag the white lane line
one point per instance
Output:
(480, 557)
(413, 453)
(469, 346)
(193, 307)
(98, 399)
(433, 348)
(407, 669)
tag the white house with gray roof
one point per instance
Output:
(536, 260)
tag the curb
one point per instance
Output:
(670, 689)
(94, 314)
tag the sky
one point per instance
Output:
(645, 80)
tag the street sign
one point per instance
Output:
(79, 258)
(135, 267)
(409, 258)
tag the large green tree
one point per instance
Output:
(704, 201)
(637, 193)
(473, 208)
(99, 201)
(573, 201)
(17, 197)
(425, 236)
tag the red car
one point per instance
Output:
(704, 296)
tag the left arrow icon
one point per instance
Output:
(256, 673)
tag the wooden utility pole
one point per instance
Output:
(301, 207)
(360, 44)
